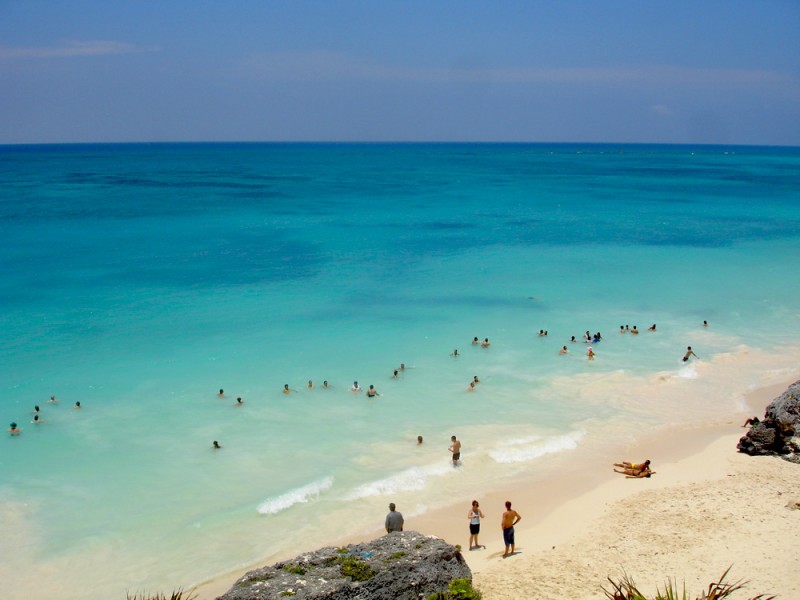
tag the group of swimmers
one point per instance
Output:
(15, 429)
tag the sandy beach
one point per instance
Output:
(707, 507)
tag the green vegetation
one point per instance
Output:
(176, 595)
(460, 589)
(355, 569)
(287, 593)
(394, 556)
(625, 589)
(296, 569)
(342, 550)
(255, 578)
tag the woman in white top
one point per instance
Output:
(475, 515)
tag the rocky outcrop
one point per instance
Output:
(403, 565)
(773, 435)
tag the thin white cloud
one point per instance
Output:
(661, 110)
(329, 66)
(76, 48)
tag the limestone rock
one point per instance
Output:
(773, 435)
(403, 565)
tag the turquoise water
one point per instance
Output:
(141, 279)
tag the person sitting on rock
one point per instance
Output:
(751, 421)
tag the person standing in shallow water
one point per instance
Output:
(689, 352)
(455, 448)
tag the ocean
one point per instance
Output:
(141, 279)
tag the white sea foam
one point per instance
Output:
(415, 478)
(300, 495)
(526, 449)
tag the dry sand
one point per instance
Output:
(706, 508)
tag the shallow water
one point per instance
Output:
(142, 279)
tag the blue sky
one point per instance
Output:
(340, 70)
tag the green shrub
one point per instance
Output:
(355, 569)
(296, 569)
(459, 589)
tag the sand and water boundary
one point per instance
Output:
(707, 507)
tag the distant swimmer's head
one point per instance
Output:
(221, 392)
(325, 383)
(286, 386)
(36, 408)
(372, 387)
(239, 400)
(78, 404)
(12, 425)
(419, 439)
(36, 419)
(216, 445)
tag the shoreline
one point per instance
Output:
(559, 508)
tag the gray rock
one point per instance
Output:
(403, 565)
(773, 435)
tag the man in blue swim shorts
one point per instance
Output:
(510, 518)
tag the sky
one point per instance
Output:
(632, 71)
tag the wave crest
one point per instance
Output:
(530, 448)
(300, 495)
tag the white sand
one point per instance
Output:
(706, 508)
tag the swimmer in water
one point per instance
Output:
(325, 384)
(419, 440)
(13, 429)
(287, 389)
(372, 392)
(471, 387)
(689, 352)
(634, 330)
(215, 445)
(402, 366)
(395, 373)
(572, 339)
(475, 380)
(590, 353)
(454, 353)
(37, 420)
(52, 400)
(221, 393)
(356, 387)
(705, 323)
(563, 350)
(36, 409)
(310, 385)
(475, 341)
(485, 343)
(239, 401)
(621, 329)
(652, 327)
(541, 333)
(77, 405)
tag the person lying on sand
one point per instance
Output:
(630, 469)
(634, 474)
(629, 465)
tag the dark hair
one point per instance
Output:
(508, 504)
